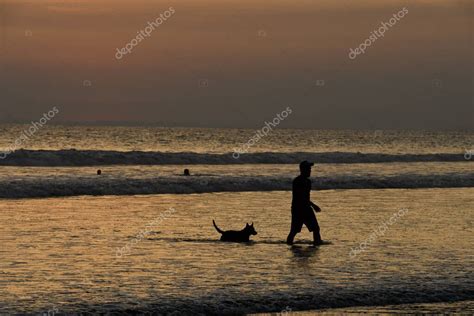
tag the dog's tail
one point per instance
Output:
(217, 228)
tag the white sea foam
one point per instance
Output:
(94, 157)
(48, 187)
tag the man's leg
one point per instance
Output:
(291, 237)
(316, 235)
(296, 225)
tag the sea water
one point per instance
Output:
(65, 253)
(139, 238)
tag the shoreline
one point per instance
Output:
(463, 307)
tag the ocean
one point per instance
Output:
(397, 209)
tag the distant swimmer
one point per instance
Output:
(186, 172)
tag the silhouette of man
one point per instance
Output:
(302, 207)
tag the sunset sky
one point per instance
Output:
(221, 63)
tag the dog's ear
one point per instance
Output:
(247, 225)
(251, 224)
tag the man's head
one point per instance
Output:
(305, 168)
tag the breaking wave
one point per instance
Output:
(51, 187)
(74, 157)
(283, 302)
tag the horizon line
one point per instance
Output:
(184, 125)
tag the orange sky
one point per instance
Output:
(249, 76)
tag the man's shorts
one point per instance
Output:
(300, 217)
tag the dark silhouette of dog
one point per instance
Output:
(236, 236)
